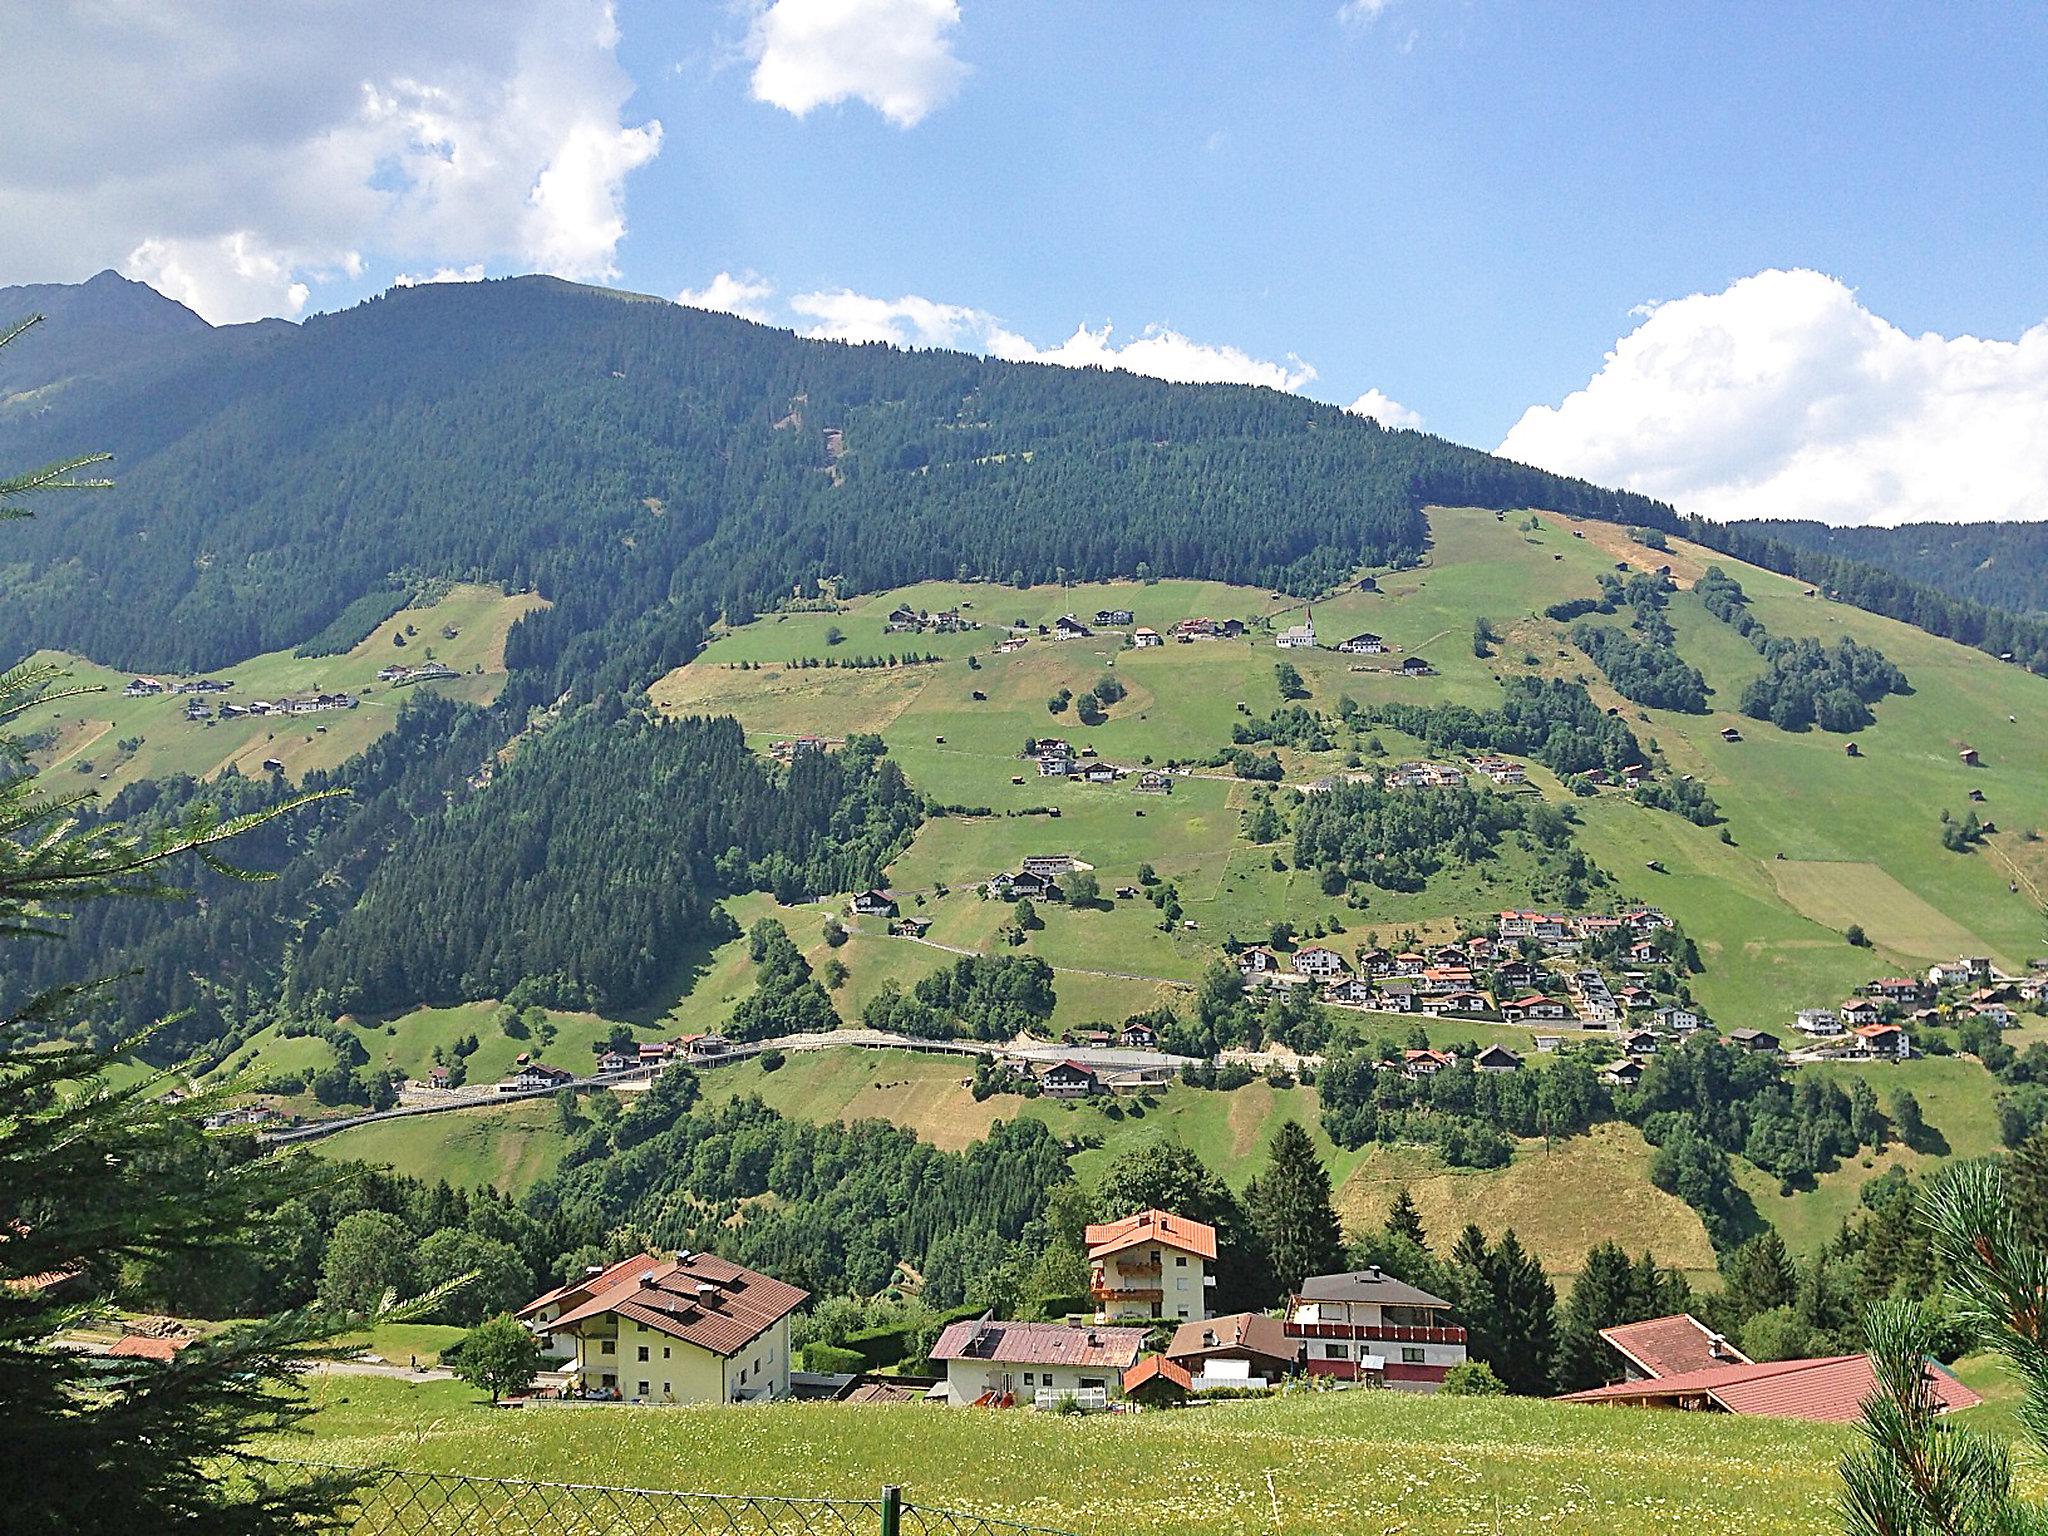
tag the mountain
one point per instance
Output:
(102, 322)
(2003, 565)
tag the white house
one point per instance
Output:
(1150, 1266)
(1819, 1022)
(695, 1329)
(1318, 961)
(1362, 645)
(990, 1363)
(1368, 1326)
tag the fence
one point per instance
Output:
(390, 1502)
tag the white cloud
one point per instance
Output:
(746, 295)
(1158, 352)
(1782, 396)
(473, 273)
(1384, 409)
(895, 55)
(240, 162)
(1358, 12)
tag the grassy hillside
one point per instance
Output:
(110, 741)
(1356, 1461)
(509, 1147)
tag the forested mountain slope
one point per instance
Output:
(2004, 565)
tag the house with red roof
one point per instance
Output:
(1156, 1382)
(1151, 1265)
(692, 1329)
(1885, 1042)
(1825, 1391)
(1669, 1346)
(991, 1364)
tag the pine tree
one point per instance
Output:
(1292, 1213)
(1605, 1294)
(1403, 1220)
(1759, 1276)
(98, 1184)
(1524, 1332)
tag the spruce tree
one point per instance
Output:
(1759, 1276)
(101, 1183)
(1293, 1214)
(1605, 1294)
(1525, 1319)
(1403, 1220)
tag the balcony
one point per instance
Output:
(1376, 1333)
(1102, 1291)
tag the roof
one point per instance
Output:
(1040, 1344)
(1670, 1346)
(884, 1392)
(1825, 1391)
(1157, 1368)
(1162, 1227)
(1252, 1332)
(584, 1286)
(1366, 1286)
(137, 1346)
(699, 1298)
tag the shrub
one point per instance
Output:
(1473, 1378)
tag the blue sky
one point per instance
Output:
(1459, 204)
(1811, 237)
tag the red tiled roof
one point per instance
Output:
(1825, 1391)
(702, 1300)
(586, 1286)
(1156, 1367)
(1253, 1333)
(1040, 1344)
(1162, 1227)
(1669, 1346)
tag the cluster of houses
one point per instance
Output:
(1058, 759)
(696, 1328)
(1877, 1022)
(305, 704)
(426, 672)
(1485, 978)
(797, 746)
(150, 687)
(906, 620)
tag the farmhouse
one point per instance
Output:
(1354, 991)
(1020, 886)
(1151, 1265)
(1099, 773)
(1415, 666)
(1680, 1021)
(1425, 1062)
(1496, 1058)
(1817, 1021)
(1501, 770)
(1885, 1042)
(1142, 637)
(1067, 627)
(1759, 1040)
(997, 1364)
(1895, 989)
(1245, 1349)
(1625, 1073)
(1137, 1035)
(1639, 1042)
(1113, 616)
(1669, 1346)
(697, 1329)
(910, 927)
(1367, 1326)
(1153, 782)
(1859, 1010)
(617, 1061)
(1048, 864)
(1195, 629)
(1256, 961)
(875, 903)
(1068, 1080)
(534, 1074)
(1317, 961)
(1362, 645)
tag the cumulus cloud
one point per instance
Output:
(895, 55)
(746, 295)
(240, 163)
(1384, 409)
(1782, 396)
(1157, 351)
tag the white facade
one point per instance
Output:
(969, 1380)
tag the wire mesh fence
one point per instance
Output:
(392, 1502)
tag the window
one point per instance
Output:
(1410, 1355)
(1180, 1262)
(643, 1352)
(607, 1347)
(1336, 1351)
(643, 1389)
(1092, 1383)
(1027, 1378)
(664, 1351)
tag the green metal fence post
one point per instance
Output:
(892, 1510)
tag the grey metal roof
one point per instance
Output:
(1367, 1286)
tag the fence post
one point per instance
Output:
(892, 1510)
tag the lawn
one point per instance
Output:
(509, 1147)
(1312, 1463)
(110, 741)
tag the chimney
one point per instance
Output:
(1372, 1273)
(1717, 1347)
(592, 1269)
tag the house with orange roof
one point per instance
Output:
(692, 1329)
(1151, 1265)
(1886, 1042)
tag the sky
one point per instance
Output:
(1759, 260)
